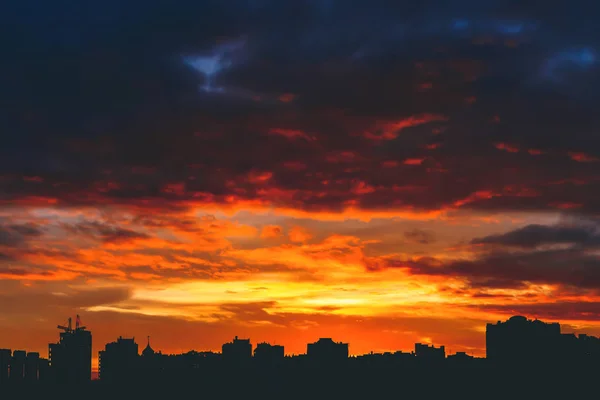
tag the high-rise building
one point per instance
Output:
(266, 354)
(522, 340)
(71, 357)
(5, 359)
(17, 365)
(32, 365)
(237, 352)
(118, 360)
(44, 370)
(325, 350)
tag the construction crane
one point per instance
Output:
(78, 326)
(69, 327)
(66, 328)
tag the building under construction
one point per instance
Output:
(71, 357)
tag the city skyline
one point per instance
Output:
(380, 172)
(518, 339)
(524, 355)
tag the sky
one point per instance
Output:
(379, 172)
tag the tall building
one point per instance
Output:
(17, 365)
(5, 358)
(266, 354)
(326, 351)
(237, 352)
(522, 340)
(44, 370)
(71, 357)
(119, 360)
(32, 365)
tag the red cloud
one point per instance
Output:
(341, 156)
(36, 179)
(582, 157)
(507, 147)
(287, 97)
(174, 188)
(290, 133)
(259, 176)
(294, 165)
(390, 130)
(389, 164)
(362, 188)
(413, 161)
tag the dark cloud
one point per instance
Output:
(559, 267)
(105, 232)
(563, 310)
(13, 235)
(161, 105)
(20, 272)
(33, 300)
(535, 235)
(499, 265)
(420, 236)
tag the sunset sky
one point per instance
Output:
(378, 173)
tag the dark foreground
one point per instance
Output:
(481, 383)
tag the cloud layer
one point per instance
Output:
(396, 170)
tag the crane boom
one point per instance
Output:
(67, 328)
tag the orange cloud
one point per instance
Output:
(478, 195)
(259, 176)
(271, 231)
(298, 234)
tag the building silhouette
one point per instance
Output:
(17, 366)
(326, 351)
(523, 341)
(429, 352)
(398, 359)
(44, 374)
(71, 357)
(148, 350)
(5, 361)
(511, 346)
(266, 354)
(119, 360)
(238, 351)
(32, 366)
